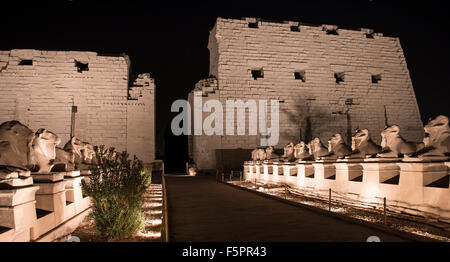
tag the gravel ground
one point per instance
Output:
(421, 226)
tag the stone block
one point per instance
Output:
(18, 217)
(51, 177)
(16, 182)
(51, 188)
(43, 224)
(13, 235)
(7, 173)
(17, 196)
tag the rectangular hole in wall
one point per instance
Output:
(340, 77)
(300, 75)
(270, 170)
(437, 181)
(332, 31)
(376, 78)
(81, 66)
(295, 28)
(330, 173)
(310, 175)
(293, 171)
(392, 177)
(392, 181)
(253, 25)
(41, 213)
(356, 174)
(257, 73)
(26, 62)
(357, 179)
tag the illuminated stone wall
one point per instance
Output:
(40, 88)
(300, 65)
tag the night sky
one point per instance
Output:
(169, 39)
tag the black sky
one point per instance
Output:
(169, 39)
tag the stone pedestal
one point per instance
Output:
(290, 174)
(415, 177)
(258, 169)
(18, 217)
(268, 169)
(17, 204)
(17, 207)
(278, 171)
(349, 177)
(305, 175)
(51, 196)
(324, 174)
(73, 189)
(380, 179)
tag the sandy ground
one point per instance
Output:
(201, 209)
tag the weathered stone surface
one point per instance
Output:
(310, 100)
(107, 111)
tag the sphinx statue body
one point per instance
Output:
(317, 149)
(437, 138)
(301, 151)
(362, 145)
(337, 148)
(258, 154)
(393, 145)
(289, 152)
(20, 147)
(83, 153)
(270, 155)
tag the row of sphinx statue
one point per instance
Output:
(436, 142)
(20, 147)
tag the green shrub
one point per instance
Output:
(116, 187)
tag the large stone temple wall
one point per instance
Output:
(42, 88)
(300, 65)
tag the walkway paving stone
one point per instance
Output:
(203, 210)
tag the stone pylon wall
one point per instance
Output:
(317, 103)
(39, 88)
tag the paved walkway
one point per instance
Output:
(202, 210)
